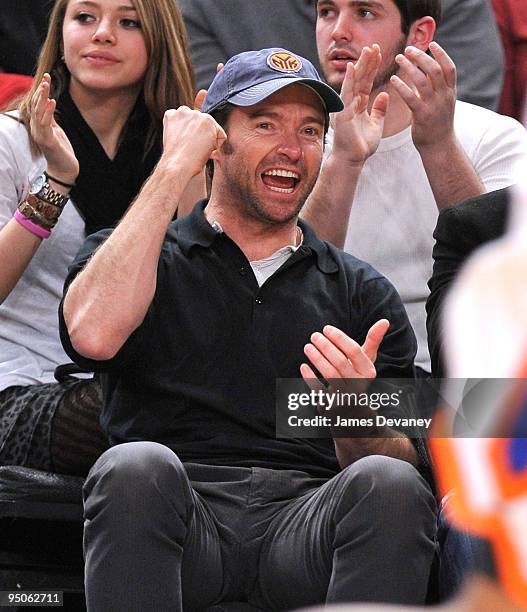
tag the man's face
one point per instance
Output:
(344, 27)
(271, 159)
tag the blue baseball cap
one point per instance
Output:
(253, 76)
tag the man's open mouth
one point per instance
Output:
(341, 57)
(282, 181)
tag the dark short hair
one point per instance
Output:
(412, 10)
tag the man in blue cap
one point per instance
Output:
(198, 501)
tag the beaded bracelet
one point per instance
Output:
(30, 226)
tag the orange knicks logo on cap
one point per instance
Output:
(284, 62)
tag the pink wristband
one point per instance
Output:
(30, 226)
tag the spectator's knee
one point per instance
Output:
(136, 473)
(390, 486)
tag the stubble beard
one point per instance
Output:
(383, 78)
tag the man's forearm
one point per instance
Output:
(328, 207)
(450, 174)
(110, 297)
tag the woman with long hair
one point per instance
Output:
(73, 155)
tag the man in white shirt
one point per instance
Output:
(407, 150)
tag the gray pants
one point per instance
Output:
(163, 536)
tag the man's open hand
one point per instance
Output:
(357, 130)
(49, 136)
(428, 87)
(335, 355)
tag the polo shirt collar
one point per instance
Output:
(194, 229)
(325, 261)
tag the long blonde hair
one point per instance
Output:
(169, 79)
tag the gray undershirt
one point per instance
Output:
(265, 268)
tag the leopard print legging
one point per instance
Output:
(52, 427)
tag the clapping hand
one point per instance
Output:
(50, 137)
(357, 130)
(427, 84)
(335, 355)
(347, 366)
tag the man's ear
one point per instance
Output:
(225, 149)
(422, 32)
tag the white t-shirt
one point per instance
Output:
(30, 347)
(394, 213)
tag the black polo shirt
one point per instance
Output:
(199, 374)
